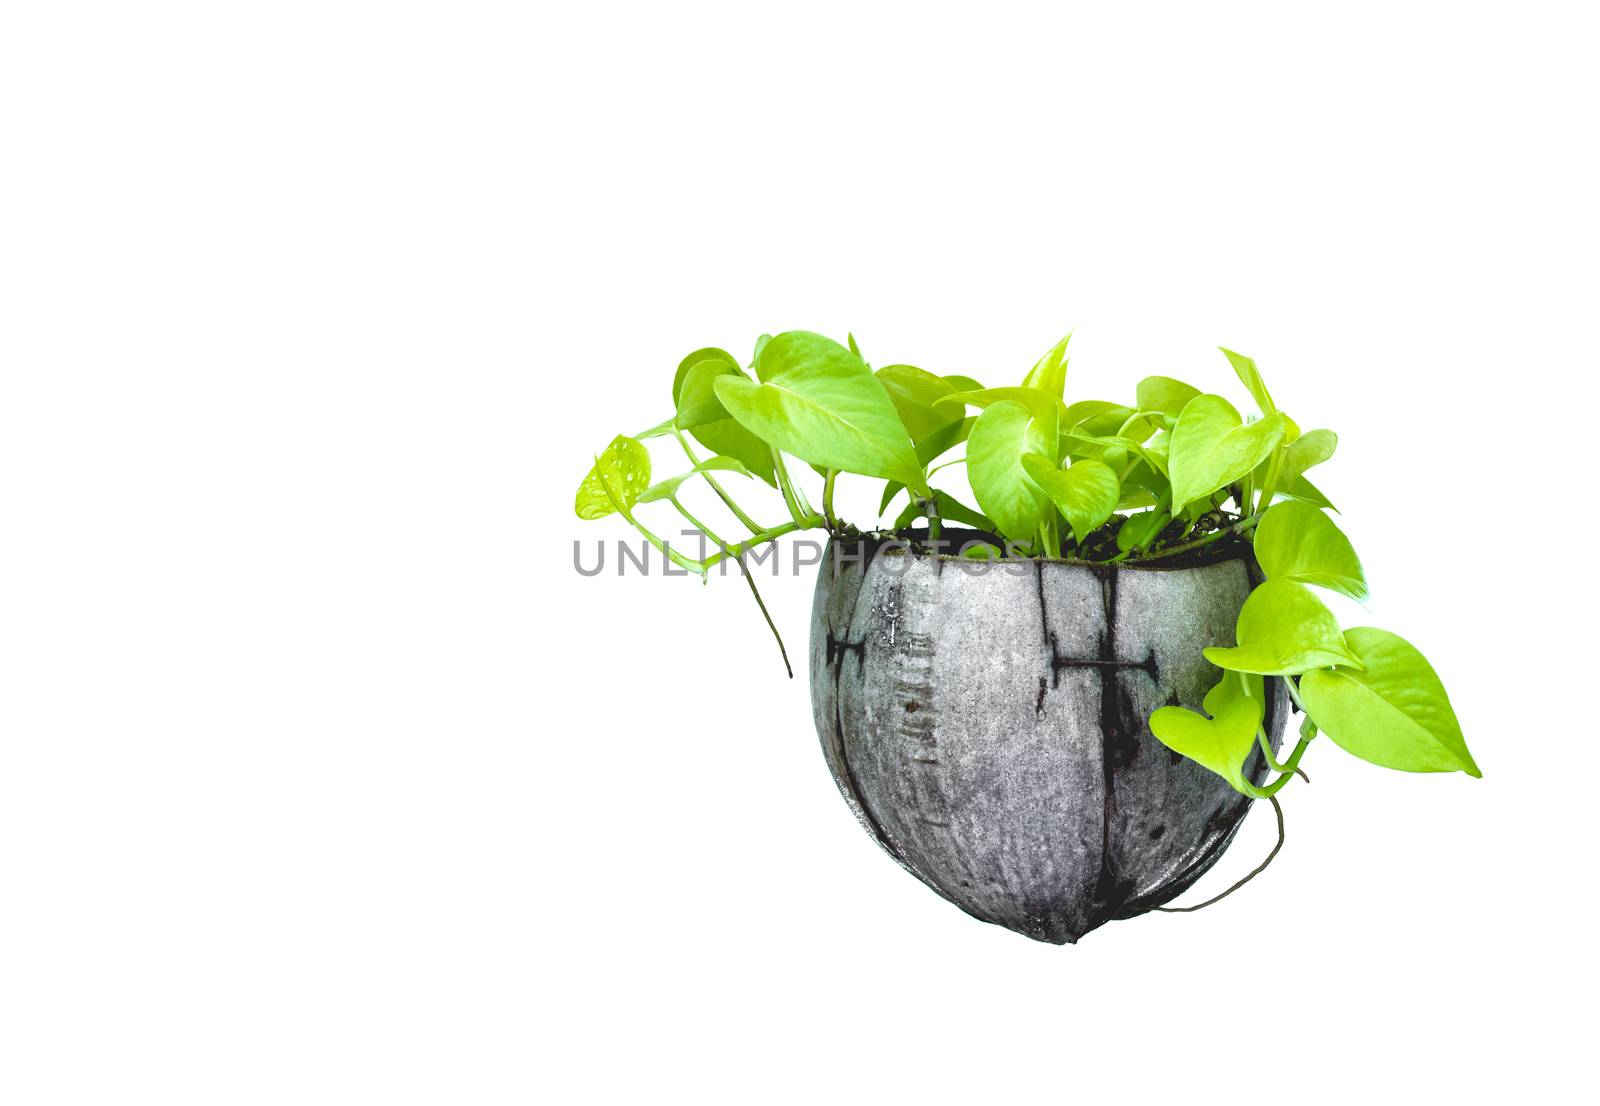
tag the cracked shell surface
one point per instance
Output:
(988, 726)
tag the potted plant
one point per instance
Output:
(1054, 706)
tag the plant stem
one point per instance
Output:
(1256, 871)
(1237, 528)
(1269, 487)
(754, 526)
(1294, 693)
(697, 524)
(772, 532)
(750, 578)
(827, 500)
(786, 486)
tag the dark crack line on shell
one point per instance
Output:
(1109, 717)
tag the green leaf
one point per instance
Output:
(1284, 628)
(1222, 743)
(619, 476)
(1250, 376)
(1235, 685)
(914, 392)
(1308, 450)
(1212, 447)
(1394, 713)
(1295, 541)
(818, 401)
(703, 415)
(1086, 493)
(1306, 492)
(1107, 420)
(1164, 394)
(1002, 436)
(1046, 411)
(1049, 373)
(941, 441)
(710, 353)
(668, 488)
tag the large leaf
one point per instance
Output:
(1164, 394)
(1086, 493)
(914, 392)
(1222, 743)
(1049, 374)
(702, 414)
(1394, 713)
(666, 489)
(1283, 628)
(818, 401)
(1003, 435)
(619, 477)
(1295, 541)
(1212, 447)
(1250, 376)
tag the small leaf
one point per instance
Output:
(1235, 685)
(619, 476)
(1250, 376)
(668, 488)
(1086, 493)
(1222, 743)
(1283, 628)
(1295, 541)
(710, 353)
(818, 401)
(1002, 436)
(1164, 394)
(1212, 447)
(1394, 713)
(1049, 373)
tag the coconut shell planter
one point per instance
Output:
(1058, 714)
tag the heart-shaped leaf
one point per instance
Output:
(1394, 712)
(703, 415)
(1283, 628)
(1250, 377)
(818, 401)
(1086, 493)
(668, 488)
(1003, 435)
(1212, 446)
(1222, 743)
(619, 477)
(1295, 541)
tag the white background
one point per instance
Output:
(325, 778)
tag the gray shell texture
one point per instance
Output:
(988, 725)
